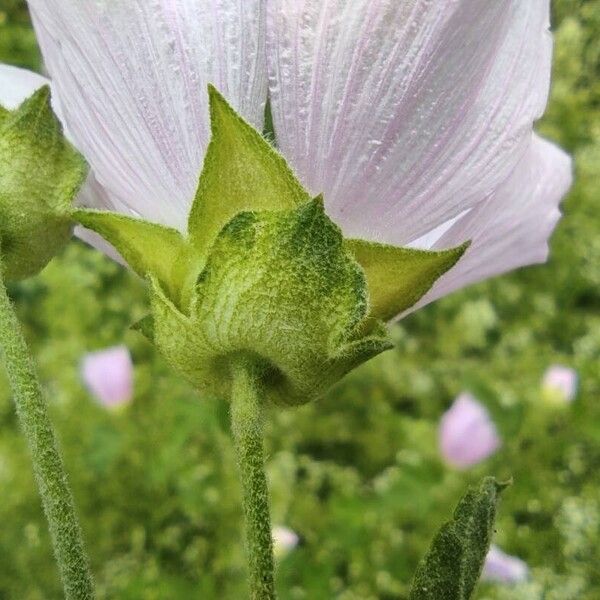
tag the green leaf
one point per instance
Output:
(40, 175)
(282, 288)
(453, 565)
(242, 172)
(399, 277)
(149, 249)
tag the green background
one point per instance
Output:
(358, 475)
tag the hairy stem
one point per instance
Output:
(48, 467)
(247, 426)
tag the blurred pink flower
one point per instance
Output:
(108, 374)
(467, 435)
(503, 568)
(560, 381)
(414, 119)
(284, 540)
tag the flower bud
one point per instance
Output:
(40, 174)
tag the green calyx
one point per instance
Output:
(40, 174)
(280, 288)
(264, 275)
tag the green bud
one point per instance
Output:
(281, 289)
(40, 174)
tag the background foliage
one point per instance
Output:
(358, 476)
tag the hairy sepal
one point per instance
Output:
(399, 277)
(150, 250)
(242, 172)
(454, 562)
(40, 175)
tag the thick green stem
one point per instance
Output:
(247, 425)
(47, 463)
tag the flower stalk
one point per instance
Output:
(247, 422)
(48, 466)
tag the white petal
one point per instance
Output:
(405, 114)
(132, 78)
(512, 227)
(18, 84)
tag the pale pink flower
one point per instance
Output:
(284, 540)
(561, 382)
(108, 374)
(415, 119)
(503, 568)
(467, 435)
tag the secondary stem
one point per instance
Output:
(247, 426)
(48, 467)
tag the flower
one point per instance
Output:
(413, 118)
(503, 568)
(467, 435)
(108, 374)
(284, 540)
(560, 382)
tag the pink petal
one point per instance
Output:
(502, 568)
(132, 78)
(467, 435)
(512, 227)
(405, 113)
(108, 374)
(562, 381)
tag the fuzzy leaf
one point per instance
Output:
(40, 175)
(399, 277)
(453, 565)
(148, 249)
(242, 172)
(282, 288)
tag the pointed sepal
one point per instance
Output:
(149, 249)
(399, 277)
(242, 172)
(40, 175)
